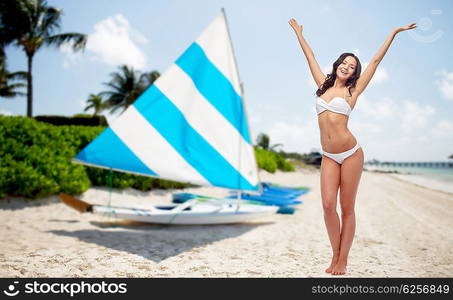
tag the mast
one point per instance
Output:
(242, 98)
(245, 110)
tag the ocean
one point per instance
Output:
(431, 177)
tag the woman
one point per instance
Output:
(342, 160)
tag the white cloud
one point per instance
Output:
(327, 69)
(445, 84)
(408, 115)
(377, 109)
(379, 76)
(112, 42)
(413, 116)
(442, 128)
(295, 136)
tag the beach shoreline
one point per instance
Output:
(397, 225)
(425, 180)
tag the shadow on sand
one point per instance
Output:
(156, 242)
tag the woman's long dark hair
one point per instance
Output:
(330, 79)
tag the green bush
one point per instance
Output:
(271, 161)
(282, 163)
(35, 161)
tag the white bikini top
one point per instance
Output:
(337, 104)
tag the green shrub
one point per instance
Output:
(282, 163)
(35, 161)
(265, 160)
(271, 161)
(21, 179)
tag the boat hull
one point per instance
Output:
(198, 215)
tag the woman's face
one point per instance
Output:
(346, 68)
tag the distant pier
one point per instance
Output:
(427, 164)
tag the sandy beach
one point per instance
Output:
(403, 230)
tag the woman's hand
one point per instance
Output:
(411, 26)
(295, 26)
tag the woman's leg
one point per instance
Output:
(330, 182)
(351, 171)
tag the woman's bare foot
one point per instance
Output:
(340, 268)
(332, 264)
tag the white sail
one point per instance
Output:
(189, 126)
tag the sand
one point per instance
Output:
(403, 230)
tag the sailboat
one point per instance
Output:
(190, 126)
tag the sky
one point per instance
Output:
(405, 113)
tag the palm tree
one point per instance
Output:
(263, 141)
(126, 86)
(95, 102)
(10, 82)
(13, 23)
(9, 15)
(32, 24)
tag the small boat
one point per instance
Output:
(191, 212)
(189, 126)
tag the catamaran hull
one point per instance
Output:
(226, 215)
(189, 213)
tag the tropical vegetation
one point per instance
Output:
(96, 103)
(32, 25)
(11, 82)
(263, 141)
(125, 86)
(36, 161)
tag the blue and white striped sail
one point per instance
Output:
(189, 126)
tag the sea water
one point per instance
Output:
(438, 178)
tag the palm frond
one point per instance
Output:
(76, 40)
(50, 20)
(21, 75)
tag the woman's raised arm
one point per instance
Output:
(366, 76)
(316, 72)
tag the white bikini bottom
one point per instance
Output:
(340, 157)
